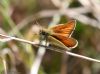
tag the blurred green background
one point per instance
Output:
(18, 18)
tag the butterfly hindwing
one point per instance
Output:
(69, 42)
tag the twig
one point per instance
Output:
(38, 59)
(83, 57)
(5, 66)
(89, 6)
(60, 50)
(17, 39)
(74, 54)
(76, 13)
(40, 54)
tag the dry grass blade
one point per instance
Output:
(51, 47)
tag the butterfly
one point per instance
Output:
(60, 35)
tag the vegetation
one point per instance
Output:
(20, 23)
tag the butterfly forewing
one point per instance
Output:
(65, 29)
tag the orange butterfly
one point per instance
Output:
(60, 35)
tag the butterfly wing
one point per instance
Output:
(65, 29)
(69, 42)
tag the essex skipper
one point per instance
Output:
(60, 35)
